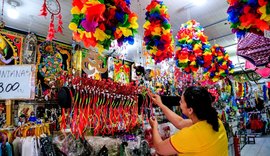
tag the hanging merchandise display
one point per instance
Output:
(54, 8)
(11, 47)
(90, 27)
(103, 107)
(247, 76)
(36, 139)
(221, 65)
(2, 115)
(182, 80)
(263, 72)
(226, 90)
(121, 72)
(249, 16)
(242, 90)
(53, 62)
(214, 92)
(267, 91)
(93, 63)
(157, 31)
(254, 48)
(110, 65)
(265, 96)
(193, 49)
(77, 57)
(30, 49)
(4, 46)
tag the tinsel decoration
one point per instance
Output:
(60, 24)
(193, 49)
(51, 31)
(157, 31)
(249, 16)
(240, 89)
(214, 93)
(90, 27)
(43, 11)
(221, 65)
(265, 98)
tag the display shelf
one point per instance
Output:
(50, 102)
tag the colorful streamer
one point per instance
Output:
(193, 49)
(221, 65)
(158, 35)
(249, 16)
(89, 25)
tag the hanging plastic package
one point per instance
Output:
(254, 48)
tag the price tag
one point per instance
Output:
(17, 82)
(267, 33)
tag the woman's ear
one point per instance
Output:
(190, 111)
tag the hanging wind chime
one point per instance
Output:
(54, 8)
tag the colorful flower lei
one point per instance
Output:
(157, 31)
(193, 49)
(90, 27)
(221, 65)
(249, 16)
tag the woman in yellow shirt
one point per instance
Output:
(203, 134)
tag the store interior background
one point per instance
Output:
(211, 14)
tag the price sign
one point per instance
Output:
(17, 82)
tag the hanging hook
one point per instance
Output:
(188, 14)
(30, 23)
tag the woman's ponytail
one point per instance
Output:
(212, 119)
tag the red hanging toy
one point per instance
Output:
(53, 6)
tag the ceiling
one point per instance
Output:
(212, 16)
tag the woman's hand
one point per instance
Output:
(153, 122)
(14, 57)
(155, 98)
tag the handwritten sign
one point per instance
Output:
(17, 82)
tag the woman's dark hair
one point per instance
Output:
(200, 100)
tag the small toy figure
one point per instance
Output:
(39, 121)
(32, 118)
(21, 120)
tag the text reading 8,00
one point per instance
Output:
(9, 87)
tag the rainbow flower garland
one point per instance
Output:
(193, 49)
(221, 65)
(249, 16)
(89, 25)
(157, 31)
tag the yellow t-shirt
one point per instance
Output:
(201, 140)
